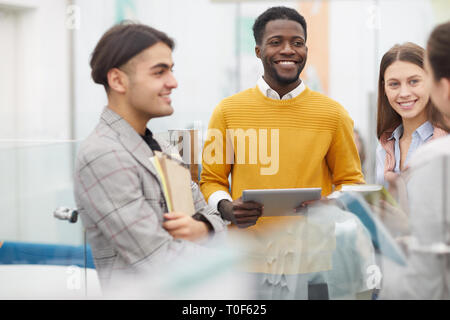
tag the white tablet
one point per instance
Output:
(281, 202)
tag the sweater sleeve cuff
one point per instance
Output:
(215, 198)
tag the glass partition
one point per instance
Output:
(41, 256)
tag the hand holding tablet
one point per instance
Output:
(281, 202)
(243, 214)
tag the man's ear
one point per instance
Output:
(117, 80)
(258, 51)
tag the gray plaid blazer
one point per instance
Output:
(120, 201)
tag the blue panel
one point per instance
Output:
(46, 254)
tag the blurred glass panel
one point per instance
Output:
(324, 253)
(40, 255)
(36, 179)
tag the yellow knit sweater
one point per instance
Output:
(302, 142)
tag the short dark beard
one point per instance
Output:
(283, 80)
(286, 81)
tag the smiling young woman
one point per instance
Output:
(406, 116)
(426, 186)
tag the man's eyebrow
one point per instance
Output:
(273, 37)
(162, 65)
(280, 36)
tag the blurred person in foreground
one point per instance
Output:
(426, 184)
(117, 189)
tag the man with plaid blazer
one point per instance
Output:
(117, 190)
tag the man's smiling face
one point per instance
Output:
(151, 81)
(283, 52)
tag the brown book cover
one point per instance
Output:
(177, 178)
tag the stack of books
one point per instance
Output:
(176, 181)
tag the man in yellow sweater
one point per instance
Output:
(279, 134)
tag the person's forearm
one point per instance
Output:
(225, 208)
(199, 217)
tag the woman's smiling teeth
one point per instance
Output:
(407, 104)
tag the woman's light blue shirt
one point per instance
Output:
(421, 135)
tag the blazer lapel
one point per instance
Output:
(131, 140)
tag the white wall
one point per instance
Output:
(36, 175)
(95, 18)
(7, 100)
(39, 69)
(352, 61)
(361, 32)
(204, 56)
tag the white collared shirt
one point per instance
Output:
(272, 94)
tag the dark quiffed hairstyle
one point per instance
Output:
(121, 43)
(275, 13)
(387, 117)
(438, 50)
